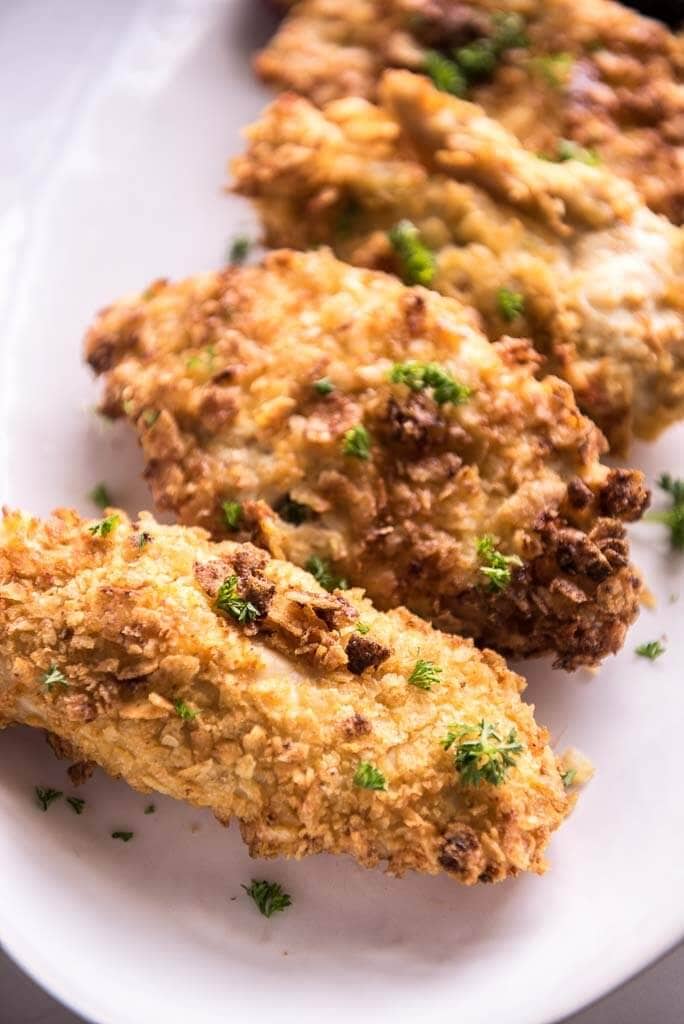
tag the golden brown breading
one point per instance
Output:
(600, 274)
(218, 374)
(592, 71)
(266, 721)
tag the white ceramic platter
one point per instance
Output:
(117, 122)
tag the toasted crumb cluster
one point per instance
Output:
(563, 253)
(589, 71)
(424, 439)
(279, 713)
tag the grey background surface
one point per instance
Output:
(656, 996)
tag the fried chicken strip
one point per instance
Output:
(591, 72)
(266, 717)
(328, 412)
(597, 275)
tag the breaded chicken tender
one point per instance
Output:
(370, 431)
(589, 72)
(217, 675)
(565, 254)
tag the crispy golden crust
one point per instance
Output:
(281, 723)
(600, 274)
(621, 92)
(217, 374)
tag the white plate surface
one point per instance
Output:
(118, 118)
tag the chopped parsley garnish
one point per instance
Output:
(481, 755)
(651, 650)
(509, 31)
(100, 496)
(568, 777)
(76, 804)
(293, 511)
(228, 600)
(143, 538)
(672, 517)
(367, 776)
(47, 796)
(150, 809)
(105, 526)
(321, 571)
(555, 68)
(206, 357)
(569, 150)
(357, 442)
(54, 677)
(511, 304)
(150, 417)
(239, 250)
(269, 897)
(425, 674)
(232, 514)
(184, 710)
(417, 261)
(362, 628)
(496, 566)
(430, 375)
(125, 837)
(446, 75)
(477, 60)
(324, 386)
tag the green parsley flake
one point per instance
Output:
(417, 261)
(430, 375)
(76, 804)
(477, 60)
(651, 650)
(568, 777)
(105, 526)
(555, 68)
(100, 496)
(672, 517)
(509, 31)
(293, 511)
(232, 514)
(446, 75)
(150, 809)
(150, 417)
(511, 304)
(239, 250)
(125, 837)
(481, 755)
(143, 538)
(425, 674)
(321, 571)
(569, 150)
(228, 600)
(184, 710)
(367, 776)
(497, 566)
(324, 386)
(204, 360)
(362, 628)
(269, 897)
(47, 796)
(357, 442)
(54, 677)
